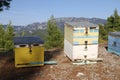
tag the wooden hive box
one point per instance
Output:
(114, 42)
(29, 51)
(81, 40)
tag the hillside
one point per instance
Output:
(62, 20)
(39, 28)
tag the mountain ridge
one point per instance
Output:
(39, 28)
(60, 22)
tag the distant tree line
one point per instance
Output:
(112, 25)
(6, 37)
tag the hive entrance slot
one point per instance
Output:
(30, 50)
(35, 44)
(86, 42)
(86, 31)
(22, 45)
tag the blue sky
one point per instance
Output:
(23, 12)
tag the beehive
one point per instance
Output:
(29, 51)
(81, 40)
(114, 42)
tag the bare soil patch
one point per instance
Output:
(109, 69)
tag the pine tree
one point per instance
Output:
(9, 37)
(54, 38)
(2, 32)
(113, 22)
(4, 4)
(23, 33)
(112, 25)
(103, 33)
(116, 20)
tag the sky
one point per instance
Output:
(24, 12)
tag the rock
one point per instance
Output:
(79, 74)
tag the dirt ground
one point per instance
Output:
(109, 69)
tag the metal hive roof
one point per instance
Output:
(117, 34)
(82, 24)
(27, 40)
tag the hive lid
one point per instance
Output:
(27, 40)
(82, 24)
(116, 34)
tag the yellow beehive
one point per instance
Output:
(28, 51)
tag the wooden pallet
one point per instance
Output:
(87, 61)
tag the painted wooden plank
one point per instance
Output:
(114, 44)
(82, 30)
(76, 43)
(68, 49)
(50, 62)
(85, 37)
(95, 42)
(83, 62)
(113, 51)
(79, 52)
(36, 63)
